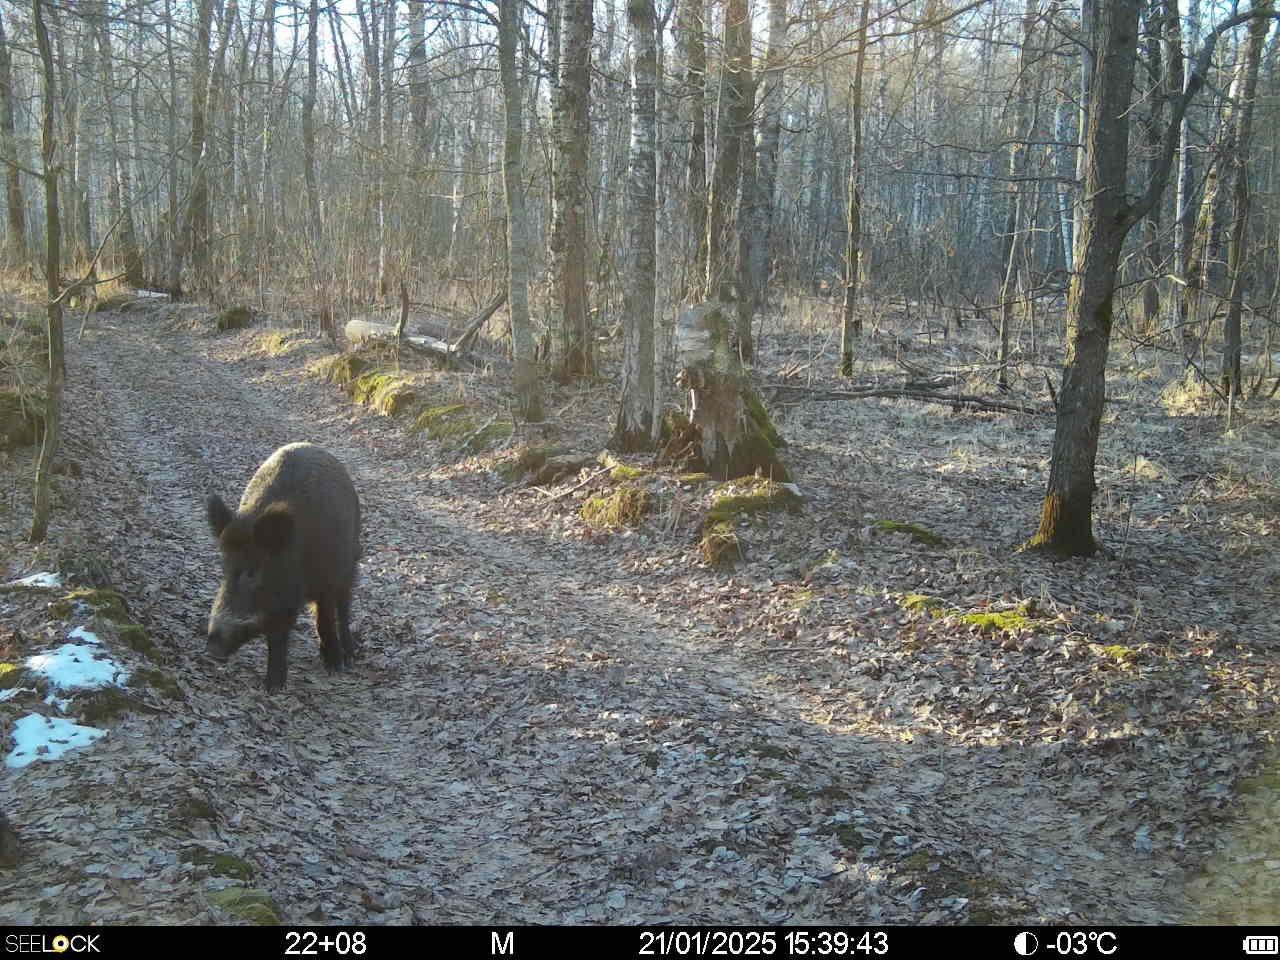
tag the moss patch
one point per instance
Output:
(11, 675)
(275, 344)
(444, 422)
(342, 369)
(139, 641)
(1011, 621)
(247, 904)
(693, 478)
(917, 533)
(219, 864)
(107, 604)
(624, 507)
(920, 603)
(1125, 656)
(766, 495)
(720, 545)
(757, 412)
(158, 681)
(384, 392)
(108, 703)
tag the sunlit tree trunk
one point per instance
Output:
(121, 190)
(634, 428)
(1236, 175)
(53, 280)
(730, 119)
(527, 388)
(690, 28)
(568, 245)
(851, 320)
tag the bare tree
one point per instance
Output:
(528, 389)
(634, 429)
(568, 245)
(53, 282)
(15, 247)
(851, 321)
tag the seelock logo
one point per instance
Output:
(45, 943)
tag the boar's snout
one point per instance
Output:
(227, 633)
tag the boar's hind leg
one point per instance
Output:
(277, 659)
(330, 646)
(344, 627)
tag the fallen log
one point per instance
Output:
(891, 393)
(361, 331)
(358, 331)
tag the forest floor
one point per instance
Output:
(554, 723)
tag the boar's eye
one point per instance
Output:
(249, 577)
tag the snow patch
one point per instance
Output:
(47, 738)
(49, 581)
(80, 633)
(75, 666)
(13, 692)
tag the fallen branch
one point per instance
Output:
(928, 396)
(481, 319)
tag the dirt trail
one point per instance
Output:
(522, 740)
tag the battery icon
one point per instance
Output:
(1262, 945)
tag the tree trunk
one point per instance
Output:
(1023, 130)
(730, 111)
(1066, 519)
(733, 434)
(690, 29)
(15, 246)
(1184, 204)
(53, 280)
(1237, 177)
(121, 190)
(528, 390)
(851, 320)
(770, 128)
(748, 203)
(193, 235)
(309, 131)
(634, 428)
(571, 100)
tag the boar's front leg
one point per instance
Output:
(330, 644)
(277, 659)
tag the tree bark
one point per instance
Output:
(528, 389)
(1237, 176)
(851, 320)
(309, 131)
(571, 101)
(728, 165)
(690, 29)
(634, 427)
(15, 246)
(53, 279)
(733, 434)
(121, 190)
(1066, 518)
(770, 129)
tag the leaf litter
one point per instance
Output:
(553, 723)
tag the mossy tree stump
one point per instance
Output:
(734, 434)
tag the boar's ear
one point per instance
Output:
(219, 515)
(273, 528)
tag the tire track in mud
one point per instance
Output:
(514, 743)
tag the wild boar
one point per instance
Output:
(294, 540)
